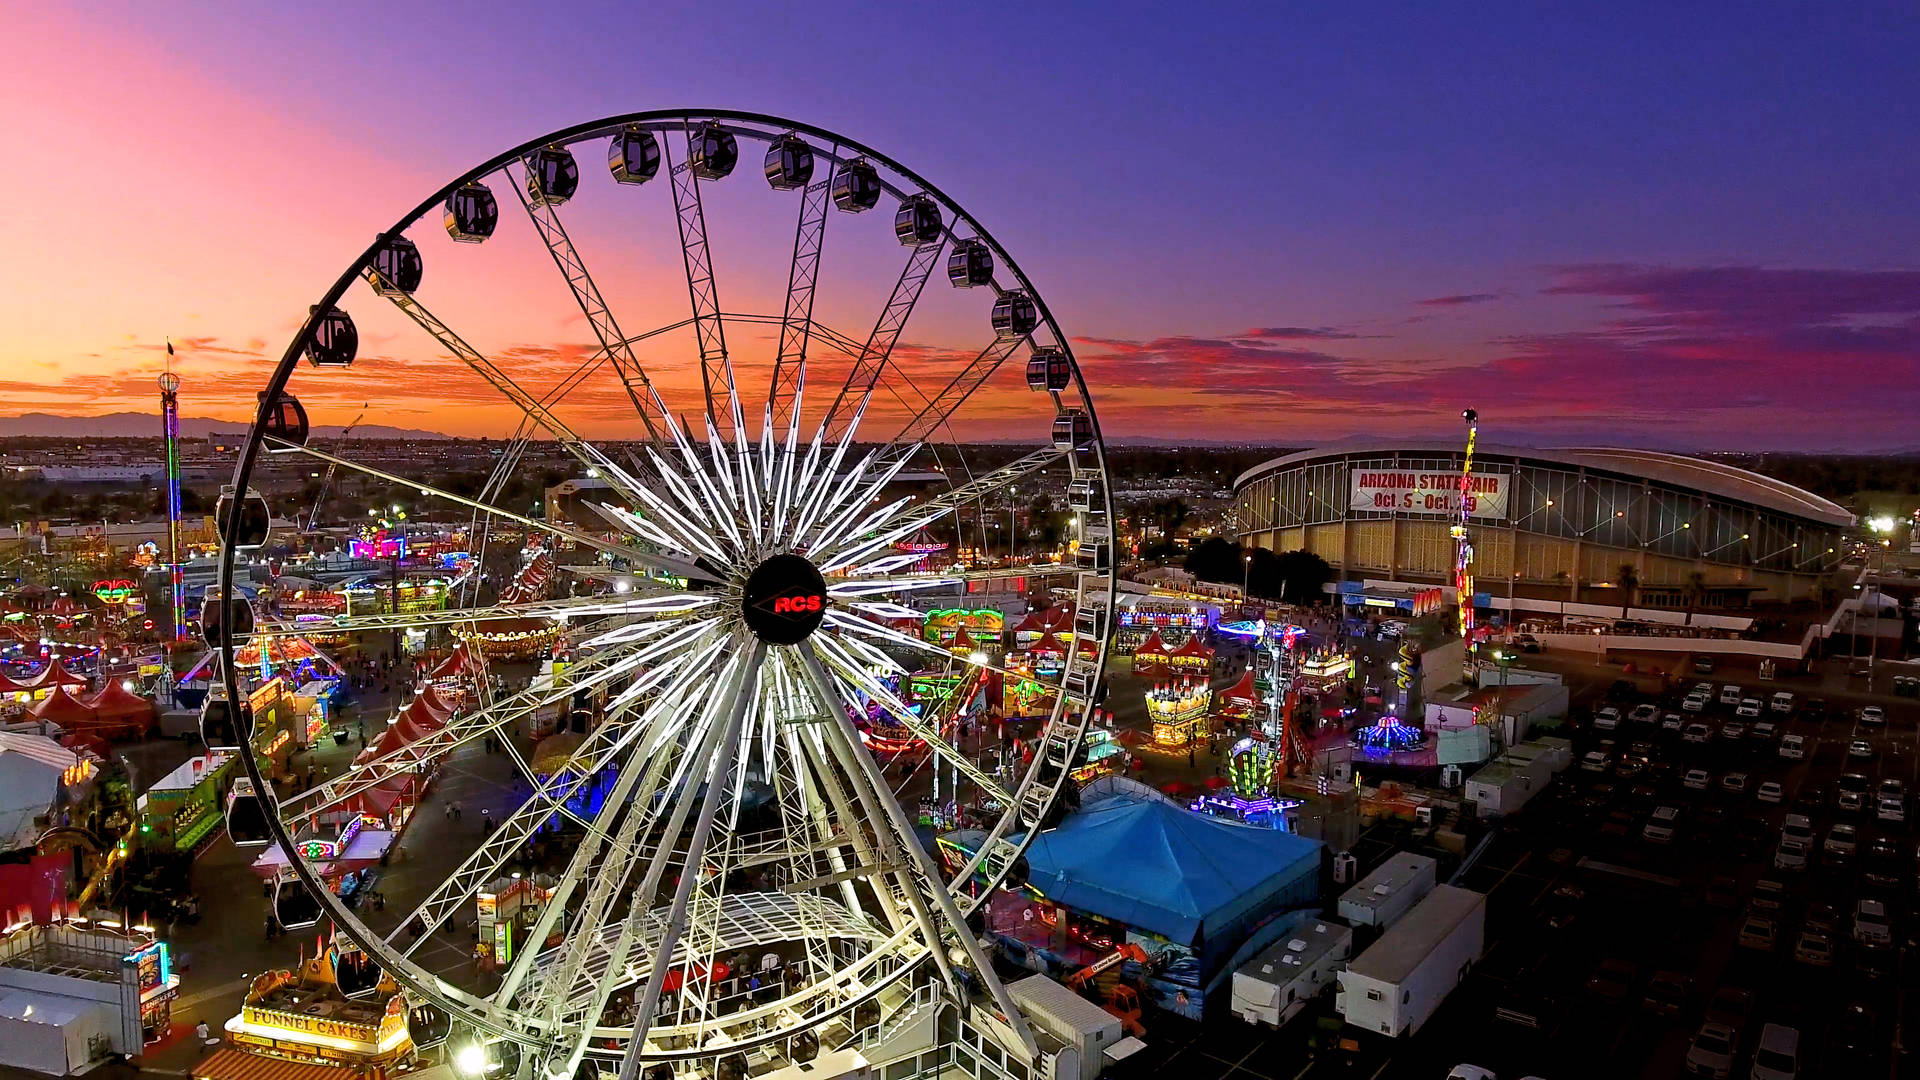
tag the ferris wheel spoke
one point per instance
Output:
(651, 560)
(853, 673)
(920, 515)
(861, 766)
(955, 394)
(532, 408)
(886, 331)
(713, 760)
(716, 370)
(545, 215)
(790, 363)
(660, 604)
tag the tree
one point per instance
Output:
(1216, 560)
(1629, 579)
(1303, 576)
(1695, 591)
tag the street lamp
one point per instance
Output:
(1246, 576)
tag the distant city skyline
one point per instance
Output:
(1653, 227)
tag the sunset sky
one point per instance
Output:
(1688, 226)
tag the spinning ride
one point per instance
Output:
(761, 532)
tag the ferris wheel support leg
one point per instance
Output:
(840, 730)
(720, 744)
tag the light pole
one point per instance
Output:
(1879, 526)
(1246, 576)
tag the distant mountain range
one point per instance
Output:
(137, 425)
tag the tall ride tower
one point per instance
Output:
(170, 424)
(1463, 549)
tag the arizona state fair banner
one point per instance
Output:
(1430, 492)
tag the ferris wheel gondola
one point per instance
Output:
(712, 783)
(247, 815)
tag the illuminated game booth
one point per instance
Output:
(1179, 714)
(981, 625)
(1150, 657)
(1181, 896)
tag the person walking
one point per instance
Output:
(455, 806)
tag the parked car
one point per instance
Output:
(1703, 665)
(1659, 828)
(1814, 950)
(1870, 926)
(1882, 864)
(1672, 721)
(1781, 703)
(1748, 707)
(1612, 980)
(1526, 643)
(1853, 782)
(1730, 1005)
(1891, 786)
(1860, 750)
(1768, 895)
(1711, 1052)
(1757, 932)
(1849, 801)
(1762, 732)
(1734, 783)
(1593, 761)
(1564, 905)
(1667, 993)
(1821, 918)
(1606, 718)
(1842, 842)
(1777, 1057)
(1814, 709)
(1873, 716)
(1855, 1037)
(1696, 733)
(1797, 828)
(1787, 856)
(1891, 809)
(1644, 714)
(1731, 694)
(1629, 767)
(1810, 797)
(1793, 747)
(1732, 731)
(1694, 703)
(1696, 780)
(1770, 791)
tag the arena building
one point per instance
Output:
(1555, 524)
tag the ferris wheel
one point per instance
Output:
(743, 574)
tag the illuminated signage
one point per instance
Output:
(1430, 492)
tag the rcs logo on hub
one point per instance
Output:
(798, 605)
(784, 599)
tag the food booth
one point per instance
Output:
(186, 807)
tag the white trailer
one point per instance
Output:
(1386, 894)
(1273, 986)
(1395, 985)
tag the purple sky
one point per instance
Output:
(1648, 224)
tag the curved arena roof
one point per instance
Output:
(1677, 470)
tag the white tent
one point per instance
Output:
(50, 1033)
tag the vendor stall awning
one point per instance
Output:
(230, 1064)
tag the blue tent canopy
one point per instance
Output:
(1185, 876)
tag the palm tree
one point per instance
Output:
(1629, 579)
(1695, 591)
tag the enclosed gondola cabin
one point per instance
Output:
(552, 176)
(789, 163)
(293, 907)
(215, 615)
(247, 816)
(1072, 430)
(286, 422)
(220, 722)
(396, 267)
(334, 342)
(256, 520)
(711, 151)
(917, 221)
(633, 156)
(1080, 493)
(1014, 315)
(856, 186)
(969, 264)
(1048, 369)
(472, 214)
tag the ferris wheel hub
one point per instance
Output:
(785, 600)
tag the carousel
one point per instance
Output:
(1179, 714)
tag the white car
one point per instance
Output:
(1696, 733)
(1696, 780)
(1892, 809)
(1770, 792)
(1734, 783)
(1593, 761)
(1711, 1052)
(1842, 842)
(1778, 1055)
(1732, 730)
(1672, 721)
(1607, 718)
(1731, 694)
(1659, 828)
(1861, 749)
(1782, 702)
(1695, 703)
(1870, 924)
(1814, 949)
(1644, 714)
(1748, 707)
(1797, 830)
(1873, 716)
(1849, 801)
(1789, 856)
(1793, 747)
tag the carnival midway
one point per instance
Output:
(744, 751)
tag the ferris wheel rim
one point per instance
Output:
(480, 1012)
